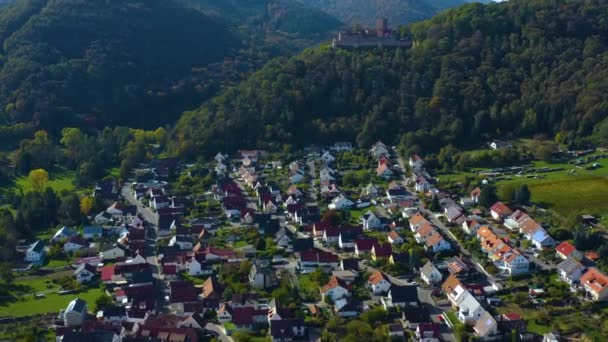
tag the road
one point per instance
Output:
(218, 332)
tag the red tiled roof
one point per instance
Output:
(107, 272)
(376, 277)
(565, 248)
(242, 315)
(501, 209)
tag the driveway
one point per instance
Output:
(217, 331)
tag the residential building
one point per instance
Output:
(486, 326)
(595, 283)
(35, 253)
(570, 271)
(566, 250)
(378, 283)
(401, 296)
(500, 211)
(75, 313)
(335, 289)
(430, 274)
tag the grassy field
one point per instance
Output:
(24, 302)
(569, 194)
(58, 181)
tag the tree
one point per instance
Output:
(38, 179)
(435, 206)
(488, 196)
(102, 302)
(86, 204)
(69, 210)
(522, 195)
(332, 217)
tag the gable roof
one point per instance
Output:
(428, 269)
(501, 209)
(485, 324)
(565, 248)
(333, 283)
(376, 277)
(401, 294)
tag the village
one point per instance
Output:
(256, 246)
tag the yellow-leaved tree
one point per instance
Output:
(38, 179)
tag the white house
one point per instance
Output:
(35, 253)
(394, 238)
(415, 161)
(486, 326)
(183, 242)
(85, 273)
(570, 271)
(430, 274)
(378, 283)
(469, 309)
(340, 202)
(63, 233)
(103, 218)
(371, 221)
(75, 243)
(514, 263)
(75, 313)
(196, 266)
(114, 252)
(335, 289)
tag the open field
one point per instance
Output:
(58, 181)
(567, 192)
(18, 298)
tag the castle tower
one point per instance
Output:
(381, 26)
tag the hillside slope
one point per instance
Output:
(520, 67)
(271, 17)
(398, 12)
(117, 61)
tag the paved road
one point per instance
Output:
(146, 212)
(217, 330)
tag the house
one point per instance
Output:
(469, 309)
(119, 210)
(103, 218)
(342, 146)
(570, 271)
(475, 195)
(347, 307)
(566, 250)
(399, 259)
(371, 191)
(428, 332)
(370, 221)
(424, 232)
(422, 185)
(430, 274)
(85, 273)
(384, 171)
(336, 288)
(349, 264)
(401, 296)
(75, 243)
(314, 259)
(35, 253)
(458, 266)
(92, 232)
(363, 246)
(595, 283)
(340, 202)
(114, 252)
(485, 326)
(454, 214)
(541, 239)
(379, 150)
(378, 283)
(348, 276)
(394, 238)
(112, 315)
(212, 289)
(436, 243)
(75, 313)
(415, 161)
(471, 225)
(183, 242)
(285, 330)
(453, 289)
(381, 251)
(499, 211)
(499, 144)
(262, 276)
(63, 233)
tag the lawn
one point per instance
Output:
(569, 194)
(58, 181)
(25, 303)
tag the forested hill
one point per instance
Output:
(520, 67)
(287, 20)
(398, 12)
(69, 62)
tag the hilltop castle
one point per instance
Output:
(365, 38)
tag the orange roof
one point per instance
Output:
(501, 209)
(434, 239)
(595, 280)
(332, 284)
(425, 229)
(591, 255)
(450, 284)
(417, 219)
(529, 226)
(485, 233)
(393, 235)
(476, 192)
(376, 277)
